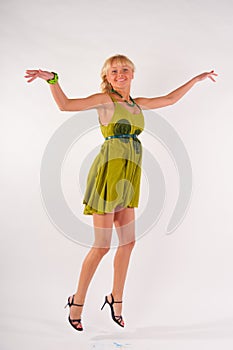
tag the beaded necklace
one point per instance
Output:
(129, 104)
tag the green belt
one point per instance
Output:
(134, 136)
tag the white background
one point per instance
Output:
(179, 289)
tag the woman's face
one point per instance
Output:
(120, 76)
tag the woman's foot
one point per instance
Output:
(117, 307)
(76, 307)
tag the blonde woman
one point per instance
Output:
(113, 183)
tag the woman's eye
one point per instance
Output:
(114, 71)
(125, 69)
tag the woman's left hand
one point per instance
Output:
(205, 75)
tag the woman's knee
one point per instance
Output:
(101, 251)
(128, 245)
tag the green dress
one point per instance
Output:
(114, 177)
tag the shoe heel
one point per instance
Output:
(105, 302)
(68, 303)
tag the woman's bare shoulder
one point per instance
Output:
(104, 97)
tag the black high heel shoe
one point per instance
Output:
(78, 322)
(117, 319)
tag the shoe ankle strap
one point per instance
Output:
(73, 304)
(114, 300)
(76, 305)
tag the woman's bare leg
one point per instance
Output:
(103, 233)
(124, 221)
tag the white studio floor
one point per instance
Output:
(33, 334)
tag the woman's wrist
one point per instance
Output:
(53, 79)
(197, 79)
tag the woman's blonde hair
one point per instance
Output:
(118, 59)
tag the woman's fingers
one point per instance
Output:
(29, 75)
(31, 78)
(32, 74)
(212, 78)
(213, 73)
(210, 75)
(32, 71)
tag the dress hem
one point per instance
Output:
(91, 211)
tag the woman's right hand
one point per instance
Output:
(38, 73)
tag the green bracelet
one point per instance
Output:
(54, 80)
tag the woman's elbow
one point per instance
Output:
(64, 107)
(69, 107)
(170, 101)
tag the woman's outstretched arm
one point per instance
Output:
(174, 96)
(63, 102)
